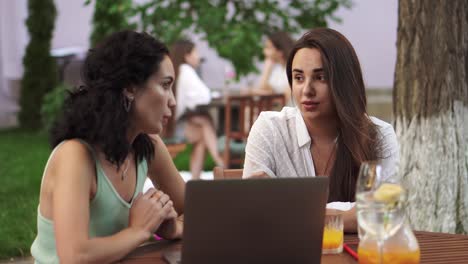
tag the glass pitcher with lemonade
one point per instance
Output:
(400, 248)
(385, 236)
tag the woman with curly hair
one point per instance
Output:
(91, 207)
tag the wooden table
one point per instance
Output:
(435, 248)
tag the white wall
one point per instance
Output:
(73, 24)
(371, 27)
(13, 36)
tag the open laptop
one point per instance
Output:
(253, 221)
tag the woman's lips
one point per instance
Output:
(310, 106)
(165, 119)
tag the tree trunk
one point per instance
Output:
(431, 112)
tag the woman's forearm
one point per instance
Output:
(350, 220)
(266, 73)
(106, 249)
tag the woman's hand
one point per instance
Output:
(258, 175)
(266, 72)
(350, 220)
(171, 228)
(149, 211)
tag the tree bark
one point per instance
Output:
(431, 112)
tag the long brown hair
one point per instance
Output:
(178, 51)
(283, 42)
(359, 138)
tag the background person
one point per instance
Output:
(195, 125)
(273, 78)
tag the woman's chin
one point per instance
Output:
(155, 130)
(310, 115)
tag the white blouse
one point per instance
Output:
(278, 79)
(279, 145)
(191, 90)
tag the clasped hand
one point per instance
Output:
(150, 210)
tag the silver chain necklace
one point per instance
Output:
(124, 173)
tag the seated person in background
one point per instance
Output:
(91, 209)
(329, 133)
(191, 91)
(273, 78)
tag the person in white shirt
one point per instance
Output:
(273, 78)
(329, 132)
(197, 127)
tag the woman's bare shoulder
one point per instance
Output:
(72, 150)
(69, 157)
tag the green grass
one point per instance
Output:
(23, 156)
(22, 159)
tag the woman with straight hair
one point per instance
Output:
(329, 132)
(194, 125)
(91, 206)
(273, 78)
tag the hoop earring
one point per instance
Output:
(127, 103)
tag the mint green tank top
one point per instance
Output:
(108, 214)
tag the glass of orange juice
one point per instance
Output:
(333, 232)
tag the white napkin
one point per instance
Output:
(186, 175)
(343, 206)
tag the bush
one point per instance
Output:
(52, 105)
(40, 69)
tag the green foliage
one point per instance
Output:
(40, 69)
(52, 105)
(234, 28)
(110, 16)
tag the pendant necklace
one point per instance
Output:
(124, 173)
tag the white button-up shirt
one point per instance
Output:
(191, 90)
(279, 145)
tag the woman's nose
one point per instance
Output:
(309, 88)
(172, 101)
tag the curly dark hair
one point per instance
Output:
(95, 113)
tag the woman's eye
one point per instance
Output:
(298, 78)
(166, 85)
(320, 77)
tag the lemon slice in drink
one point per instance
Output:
(388, 193)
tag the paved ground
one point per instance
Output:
(27, 260)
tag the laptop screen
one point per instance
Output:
(254, 220)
